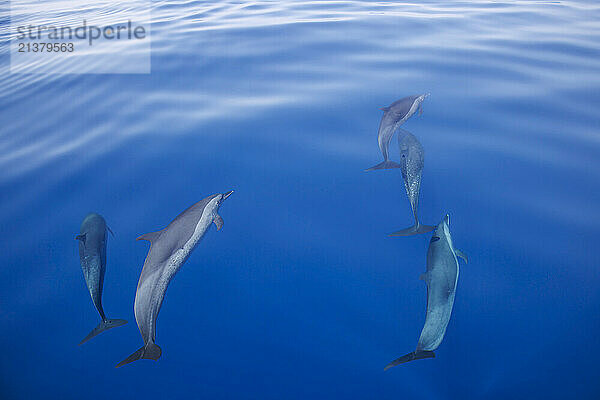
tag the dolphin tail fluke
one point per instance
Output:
(413, 230)
(415, 355)
(138, 355)
(103, 326)
(151, 351)
(384, 165)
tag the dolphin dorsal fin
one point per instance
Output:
(149, 236)
(218, 222)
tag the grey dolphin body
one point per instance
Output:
(441, 278)
(92, 256)
(412, 158)
(169, 249)
(394, 116)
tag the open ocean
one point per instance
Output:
(302, 295)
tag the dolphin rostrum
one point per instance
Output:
(411, 165)
(394, 116)
(169, 249)
(92, 255)
(441, 278)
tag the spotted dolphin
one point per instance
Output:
(169, 249)
(394, 116)
(92, 256)
(441, 278)
(412, 159)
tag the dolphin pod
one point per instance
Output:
(411, 166)
(442, 263)
(169, 249)
(92, 256)
(394, 116)
(441, 278)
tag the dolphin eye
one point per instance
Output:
(434, 239)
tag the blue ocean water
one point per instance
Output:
(302, 294)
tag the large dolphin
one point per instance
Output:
(92, 255)
(441, 278)
(169, 249)
(411, 164)
(394, 116)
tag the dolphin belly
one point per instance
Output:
(436, 322)
(384, 136)
(441, 279)
(143, 307)
(413, 109)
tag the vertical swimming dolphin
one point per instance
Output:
(92, 256)
(394, 116)
(412, 158)
(169, 249)
(441, 278)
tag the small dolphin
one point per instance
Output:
(394, 116)
(411, 165)
(441, 278)
(169, 249)
(92, 255)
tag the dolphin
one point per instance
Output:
(411, 165)
(394, 116)
(441, 278)
(169, 249)
(92, 255)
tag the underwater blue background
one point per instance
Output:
(302, 294)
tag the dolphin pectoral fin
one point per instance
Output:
(103, 326)
(384, 165)
(461, 255)
(415, 355)
(81, 237)
(151, 351)
(149, 236)
(218, 222)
